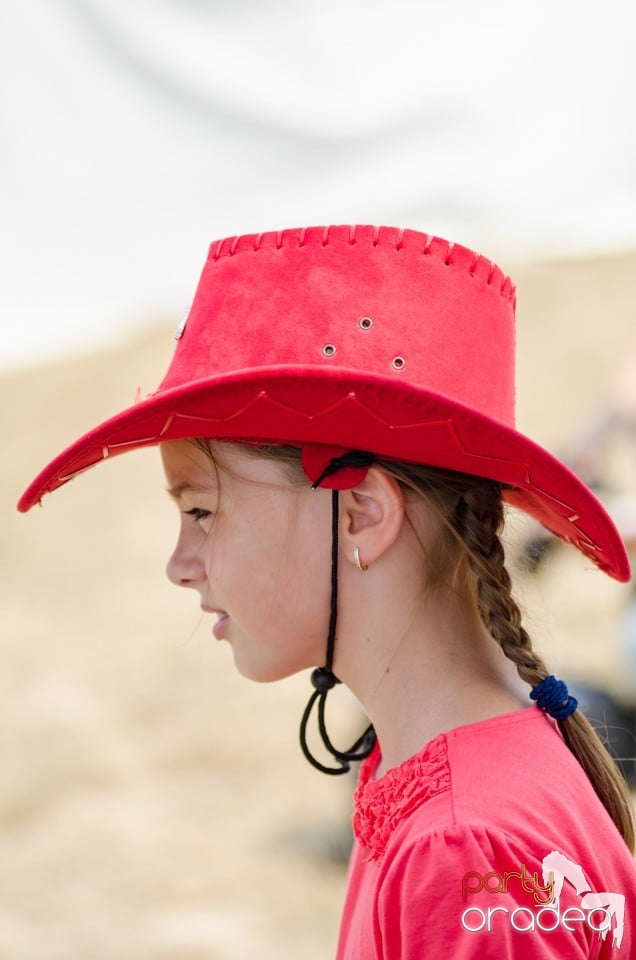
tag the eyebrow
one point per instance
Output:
(176, 493)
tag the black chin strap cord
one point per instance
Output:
(323, 678)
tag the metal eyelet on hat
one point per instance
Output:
(398, 363)
(328, 350)
(366, 323)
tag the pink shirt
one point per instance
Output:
(489, 843)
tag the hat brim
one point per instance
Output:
(302, 405)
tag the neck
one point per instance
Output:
(423, 669)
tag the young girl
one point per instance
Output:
(336, 429)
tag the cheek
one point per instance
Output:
(306, 576)
(248, 560)
(270, 563)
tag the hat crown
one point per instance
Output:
(395, 304)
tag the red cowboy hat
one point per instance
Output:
(340, 338)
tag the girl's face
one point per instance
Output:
(256, 547)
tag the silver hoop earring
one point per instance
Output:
(356, 559)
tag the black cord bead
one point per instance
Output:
(323, 679)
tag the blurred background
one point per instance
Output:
(153, 805)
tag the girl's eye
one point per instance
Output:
(198, 513)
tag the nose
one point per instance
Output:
(186, 568)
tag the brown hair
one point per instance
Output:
(472, 513)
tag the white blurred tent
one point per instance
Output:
(133, 133)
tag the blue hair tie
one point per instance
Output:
(553, 697)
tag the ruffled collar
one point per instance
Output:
(380, 805)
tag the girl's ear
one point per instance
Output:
(371, 516)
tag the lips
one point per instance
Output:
(219, 627)
(222, 620)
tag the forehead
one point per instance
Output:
(189, 465)
(186, 465)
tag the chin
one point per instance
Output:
(266, 672)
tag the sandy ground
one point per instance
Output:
(153, 804)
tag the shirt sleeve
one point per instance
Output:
(473, 894)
